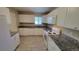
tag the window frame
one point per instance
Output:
(39, 21)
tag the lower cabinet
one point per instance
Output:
(72, 18)
(50, 44)
(16, 40)
(30, 31)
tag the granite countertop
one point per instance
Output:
(65, 43)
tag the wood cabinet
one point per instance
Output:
(5, 11)
(26, 18)
(16, 40)
(72, 19)
(61, 16)
(67, 17)
(50, 44)
(11, 18)
(30, 31)
(14, 20)
(53, 15)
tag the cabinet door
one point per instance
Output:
(52, 45)
(45, 39)
(17, 38)
(61, 16)
(53, 15)
(72, 20)
(26, 18)
(30, 31)
(26, 31)
(5, 11)
(14, 24)
(51, 20)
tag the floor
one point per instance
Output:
(32, 43)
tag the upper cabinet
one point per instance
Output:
(53, 15)
(72, 18)
(49, 19)
(61, 16)
(14, 20)
(11, 18)
(58, 15)
(5, 11)
(66, 17)
(26, 18)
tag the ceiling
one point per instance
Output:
(34, 10)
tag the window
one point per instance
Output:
(38, 20)
(49, 20)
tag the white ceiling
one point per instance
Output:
(36, 10)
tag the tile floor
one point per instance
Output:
(32, 43)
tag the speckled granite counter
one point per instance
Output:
(65, 43)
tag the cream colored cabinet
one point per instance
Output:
(52, 45)
(58, 15)
(61, 16)
(16, 40)
(49, 42)
(53, 12)
(53, 15)
(30, 31)
(67, 17)
(72, 19)
(26, 18)
(14, 20)
(11, 18)
(5, 11)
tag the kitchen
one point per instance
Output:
(39, 29)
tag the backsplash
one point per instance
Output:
(72, 33)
